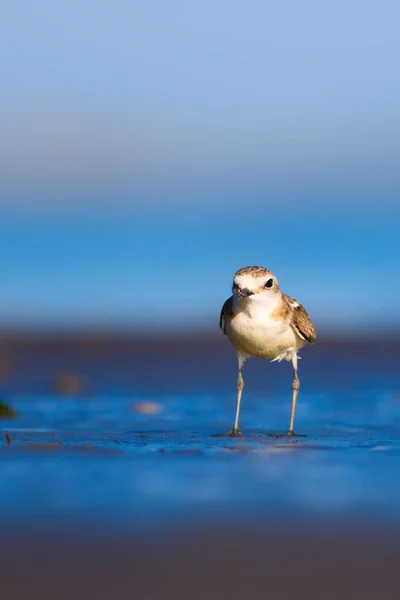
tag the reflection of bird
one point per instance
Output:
(261, 321)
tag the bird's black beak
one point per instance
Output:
(244, 293)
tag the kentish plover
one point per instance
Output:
(262, 321)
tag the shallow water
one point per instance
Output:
(102, 460)
(128, 487)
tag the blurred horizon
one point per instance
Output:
(163, 274)
(149, 151)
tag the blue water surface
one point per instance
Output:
(136, 460)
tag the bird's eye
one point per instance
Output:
(269, 283)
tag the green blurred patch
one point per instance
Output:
(7, 412)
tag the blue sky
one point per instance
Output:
(148, 150)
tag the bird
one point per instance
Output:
(261, 321)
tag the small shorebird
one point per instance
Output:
(261, 321)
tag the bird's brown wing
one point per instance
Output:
(226, 311)
(300, 320)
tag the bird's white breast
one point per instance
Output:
(256, 330)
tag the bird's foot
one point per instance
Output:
(289, 433)
(232, 433)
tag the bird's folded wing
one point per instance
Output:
(226, 312)
(300, 320)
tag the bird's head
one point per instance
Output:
(254, 284)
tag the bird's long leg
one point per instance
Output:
(295, 393)
(240, 385)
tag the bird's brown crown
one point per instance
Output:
(254, 271)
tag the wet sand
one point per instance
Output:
(206, 562)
